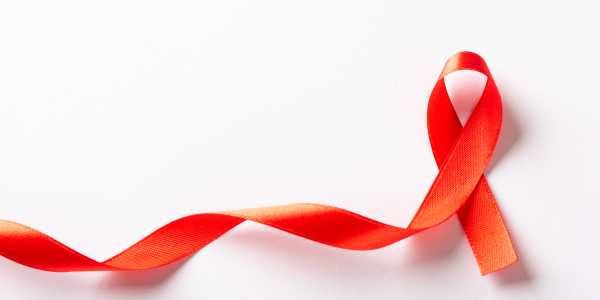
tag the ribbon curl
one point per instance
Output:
(461, 153)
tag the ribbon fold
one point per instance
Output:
(461, 153)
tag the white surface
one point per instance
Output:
(118, 117)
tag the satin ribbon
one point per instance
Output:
(461, 153)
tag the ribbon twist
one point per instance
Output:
(461, 153)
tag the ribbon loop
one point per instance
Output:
(479, 216)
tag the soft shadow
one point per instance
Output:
(510, 133)
(515, 274)
(435, 244)
(145, 279)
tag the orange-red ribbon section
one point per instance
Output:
(461, 153)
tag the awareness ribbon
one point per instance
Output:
(461, 153)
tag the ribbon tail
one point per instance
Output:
(485, 230)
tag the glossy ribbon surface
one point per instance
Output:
(461, 153)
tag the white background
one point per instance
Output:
(120, 116)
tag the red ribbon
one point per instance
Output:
(461, 153)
